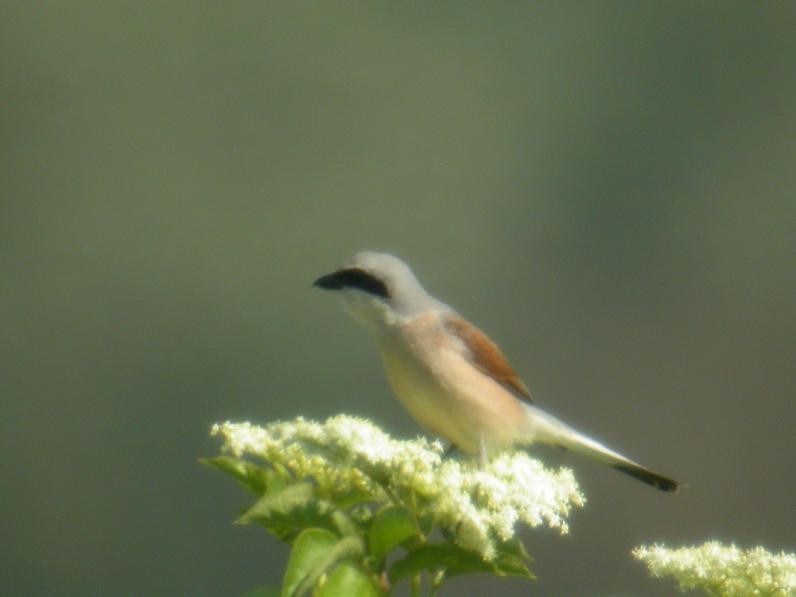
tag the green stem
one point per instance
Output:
(436, 582)
(416, 580)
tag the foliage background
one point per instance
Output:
(607, 188)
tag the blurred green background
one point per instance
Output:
(607, 188)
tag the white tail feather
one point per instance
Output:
(545, 428)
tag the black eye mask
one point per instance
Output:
(353, 278)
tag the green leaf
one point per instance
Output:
(516, 548)
(512, 560)
(353, 498)
(315, 552)
(292, 499)
(347, 547)
(427, 523)
(347, 579)
(288, 511)
(263, 592)
(251, 476)
(391, 527)
(509, 565)
(310, 549)
(457, 560)
(294, 506)
(448, 556)
(343, 523)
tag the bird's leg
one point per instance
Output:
(483, 457)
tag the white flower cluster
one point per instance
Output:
(487, 503)
(722, 570)
(347, 453)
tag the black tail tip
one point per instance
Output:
(646, 476)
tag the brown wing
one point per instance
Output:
(487, 357)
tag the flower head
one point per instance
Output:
(479, 506)
(724, 570)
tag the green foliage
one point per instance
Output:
(356, 543)
(391, 527)
(348, 579)
(455, 560)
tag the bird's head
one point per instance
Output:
(378, 289)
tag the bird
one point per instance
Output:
(449, 375)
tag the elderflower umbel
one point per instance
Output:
(481, 506)
(724, 570)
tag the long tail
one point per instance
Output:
(545, 428)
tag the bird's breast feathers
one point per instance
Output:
(434, 373)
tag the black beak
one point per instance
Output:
(333, 281)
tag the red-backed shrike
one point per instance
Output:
(449, 375)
